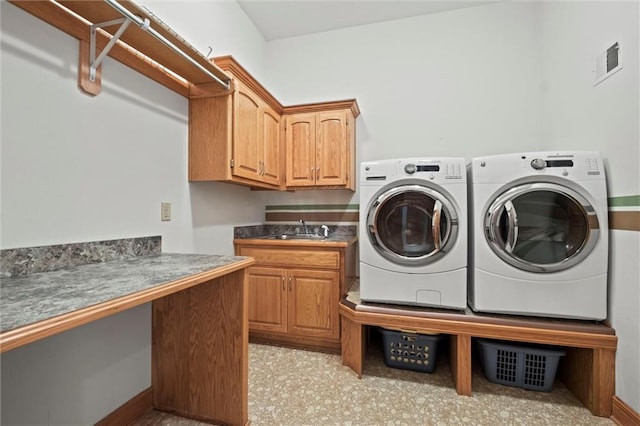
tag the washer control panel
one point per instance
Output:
(435, 170)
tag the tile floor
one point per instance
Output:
(294, 387)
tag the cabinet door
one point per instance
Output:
(270, 155)
(300, 150)
(267, 299)
(331, 148)
(247, 116)
(313, 303)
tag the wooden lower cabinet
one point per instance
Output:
(294, 294)
(294, 302)
(268, 299)
(313, 310)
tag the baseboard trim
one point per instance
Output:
(130, 411)
(622, 414)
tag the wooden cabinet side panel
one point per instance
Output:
(590, 375)
(460, 362)
(351, 151)
(170, 344)
(331, 148)
(300, 136)
(353, 345)
(200, 351)
(313, 303)
(210, 133)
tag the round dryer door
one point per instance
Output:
(412, 225)
(541, 227)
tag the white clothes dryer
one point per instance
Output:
(540, 235)
(413, 232)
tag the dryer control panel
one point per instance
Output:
(578, 165)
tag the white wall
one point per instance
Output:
(606, 118)
(577, 115)
(79, 168)
(460, 83)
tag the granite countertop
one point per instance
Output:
(43, 296)
(289, 235)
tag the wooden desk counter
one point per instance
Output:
(199, 320)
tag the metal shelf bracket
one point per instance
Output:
(94, 62)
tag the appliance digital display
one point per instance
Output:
(559, 163)
(428, 168)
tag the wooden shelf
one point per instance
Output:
(589, 364)
(136, 48)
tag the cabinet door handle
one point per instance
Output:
(284, 285)
(317, 173)
(289, 283)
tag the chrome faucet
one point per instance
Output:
(304, 227)
(325, 231)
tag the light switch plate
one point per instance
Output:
(165, 211)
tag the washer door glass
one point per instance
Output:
(541, 227)
(412, 225)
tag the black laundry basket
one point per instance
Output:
(410, 351)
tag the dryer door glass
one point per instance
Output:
(541, 227)
(412, 225)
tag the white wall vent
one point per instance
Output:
(607, 63)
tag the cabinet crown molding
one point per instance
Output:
(351, 104)
(229, 64)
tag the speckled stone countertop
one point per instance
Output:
(339, 236)
(41, 296)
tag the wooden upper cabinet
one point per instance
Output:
(271, 148)
(256, 148)
(247, 136)
(332, 148)
(238, 138)
(320, 146)
(300, 152)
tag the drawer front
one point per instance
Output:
(297, 257)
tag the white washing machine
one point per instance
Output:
(413, 232)
(540, 235)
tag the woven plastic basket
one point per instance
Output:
(410, 351)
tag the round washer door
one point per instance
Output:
(412, 225)
(541, 227)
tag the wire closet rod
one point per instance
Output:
(146, 27)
